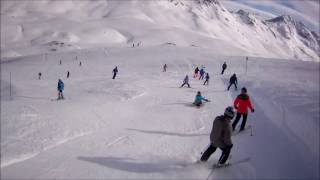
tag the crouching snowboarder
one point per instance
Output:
(220, 137)
(60, 89)
(198, 100)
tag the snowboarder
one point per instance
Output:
(60, 89)
(185, 81)
(164, 67)
(198, 99)
(207, 79)
(115, 71)
(201, 73)
(233, 80)
(224, 67)
(196, 72)
(241, 104)
(220, 137)
(39, 75)
(68, 74)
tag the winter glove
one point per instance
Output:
(252, 110)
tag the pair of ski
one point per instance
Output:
(238, 161)
(248, 128)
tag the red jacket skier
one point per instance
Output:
(241, 104)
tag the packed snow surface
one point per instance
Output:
(142, 125)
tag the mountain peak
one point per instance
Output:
(287, 19)
(208, 2)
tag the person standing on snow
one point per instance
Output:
(233, 80)
(201, 73)
(195, 75)
(241, 104)
(39, 75)
(220, 137)
(60, 89)
(68, 74)
(224, 67)
(115, 71)
(164, 67)
(198, 99)
(186, 81)
(207, 79)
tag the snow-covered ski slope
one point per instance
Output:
(142, 125)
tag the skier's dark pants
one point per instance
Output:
(114, 75)
(223, 71)
(235, 85)
(201, 76)
(244, 120)
(206, 81)
(184, 84)
(60, 94)
(211, 149)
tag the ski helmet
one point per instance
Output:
(229, 112)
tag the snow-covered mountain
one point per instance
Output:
(204, 23)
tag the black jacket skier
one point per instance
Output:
(224, 67)
(115, 71)
(233, 80)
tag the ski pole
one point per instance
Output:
(251, 130)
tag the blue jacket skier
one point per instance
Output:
(60, 89)
(201, 73)
(198, 99)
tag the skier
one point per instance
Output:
(80, 64)
(115, 71)
(201, 73)
(224, 67)
(220, 137)
(186, 81)
(233, 80)
(164, 67)
(207, 79)
(60, 62)
(198, 99)
(196, 72)
(60, 89)
(241, 104)
(39, 75)
(68, 74)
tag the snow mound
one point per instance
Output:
(102, 36)
(50, 37)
